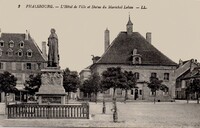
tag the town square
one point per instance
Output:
(94, 66)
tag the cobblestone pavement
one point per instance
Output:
(132, 114)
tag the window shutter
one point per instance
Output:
(13, 66)
(1, 65)
(23, 78)
(23, 66)
(36, 66)
(4, 65)
(33, 66)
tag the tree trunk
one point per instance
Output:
(154, 100)
(197, 98)
(96, 97)
(114, 94)
(104, 105)
(6, 103)
(126, 96)
(187, 98)
(90, 97)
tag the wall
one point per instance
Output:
(18, 69)
(2, 108)
(145, 73)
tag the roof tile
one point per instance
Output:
(28, 44)
(121, 49)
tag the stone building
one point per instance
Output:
(132, 52)
(185, 72)
(21, 56)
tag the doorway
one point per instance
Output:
(136, 94)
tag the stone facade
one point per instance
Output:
(51, 90)
(185, 69)
(132, 52)
(21, 56)
(144, 72)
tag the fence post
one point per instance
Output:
(48, 110)
(8, 109)
(88, 111)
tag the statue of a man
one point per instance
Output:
(53, 56)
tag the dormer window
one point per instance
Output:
(29, 53)
(11, 44)
(166, 76)
(136, 57)
(21, 44)
(1, 43)
(1, 52)
(137, 60)
(10, 52)
(20, 53)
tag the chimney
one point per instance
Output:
(0, 33)
(107, 39)
(44, 53)
(148, 37)
(95, 58)
(26, 35)
(180, 62)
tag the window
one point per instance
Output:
(131, 91)
(1, 43)
(136, 57)
(21, 44)
(20, 53)
(166, 76)
(1, 52)
(39, 65)
(140, 92)
(137, 75)
(152, 93)
(28, 66)
(10, 52)
(137, 60)
(154, 75)
(1, 65)
(119, 91)
(11, 44)
(29, 53)
(19, 78)
(166, 91)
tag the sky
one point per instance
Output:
(174, 24)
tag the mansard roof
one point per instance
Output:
(121, 49)
(17, 38)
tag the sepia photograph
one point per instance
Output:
(115, 63)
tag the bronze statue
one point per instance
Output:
(53, 56)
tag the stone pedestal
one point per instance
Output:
(51, 90)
